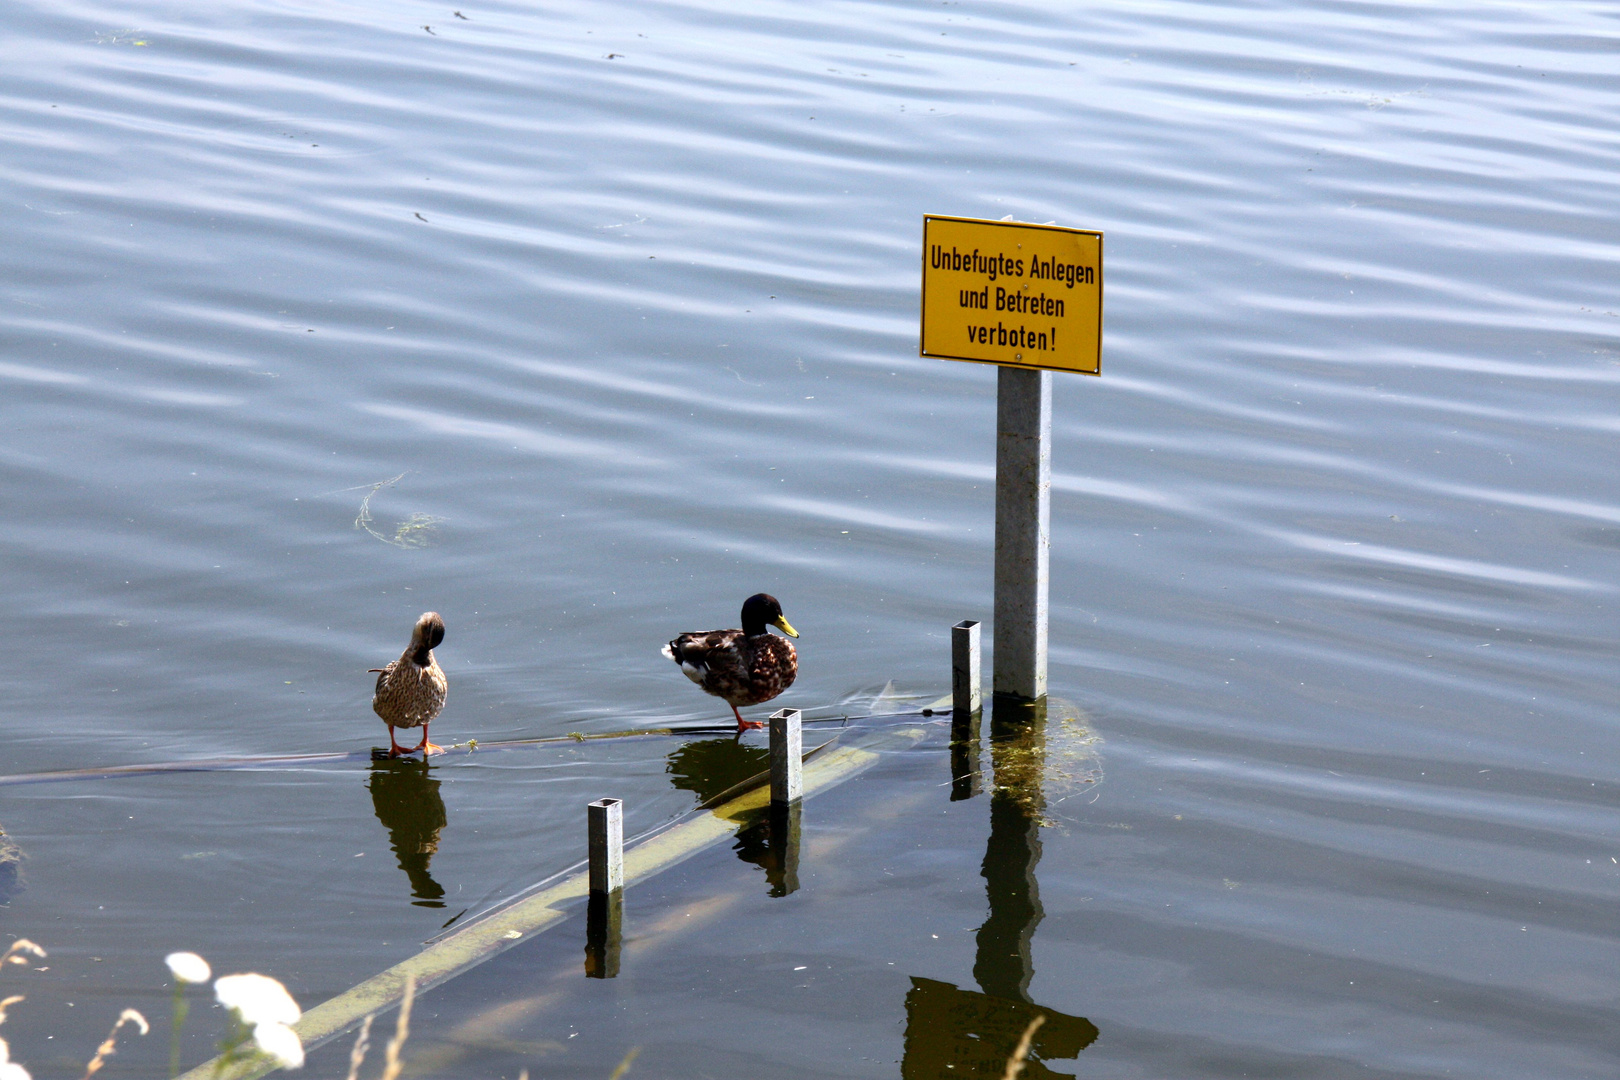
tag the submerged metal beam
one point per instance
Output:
(501, 930)
(263, 761)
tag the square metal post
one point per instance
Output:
(1023, 530)
(966, 688)
(787, 756)
(606, 821)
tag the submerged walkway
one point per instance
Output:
(841, 943)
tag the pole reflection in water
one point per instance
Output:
(963, 1033)
(604, 925)
(782, 849)
(772, 844)
(708, 767)
(406, 800)
(966, 769)
(1004, 966)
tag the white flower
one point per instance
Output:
(280, 1042)
(188, 967)
(256, 999)
(10, 1070)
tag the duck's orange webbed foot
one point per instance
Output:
(394, 749)
(427, 748)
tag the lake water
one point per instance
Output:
(578, 323)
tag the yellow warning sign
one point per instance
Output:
(1004, 292)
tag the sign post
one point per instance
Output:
(1027, 298)
(1023, 530)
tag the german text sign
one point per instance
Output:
(1003, 292)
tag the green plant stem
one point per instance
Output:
(231, 1045)
(178, 1018)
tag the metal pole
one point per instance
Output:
(1023, 530)
(606, 845)
(966, 691)
(787, 756)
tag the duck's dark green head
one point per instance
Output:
(762, 610)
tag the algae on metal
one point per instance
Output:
(499, 931)
(1041, 765)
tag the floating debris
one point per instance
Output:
(1040, 762)
(415, 531)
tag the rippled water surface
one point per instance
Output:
(578, 323)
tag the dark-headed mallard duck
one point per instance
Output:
(411, 690)
(743, 667)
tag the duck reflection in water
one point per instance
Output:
(709, 768)
(406, 799)
(964, 1033)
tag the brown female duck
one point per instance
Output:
(742, 667)
(411, 690)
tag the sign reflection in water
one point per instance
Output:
(407, 801)
(974, 1032)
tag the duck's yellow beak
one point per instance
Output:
(783, 625)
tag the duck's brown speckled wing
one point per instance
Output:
(736, 668)
(714, 660)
